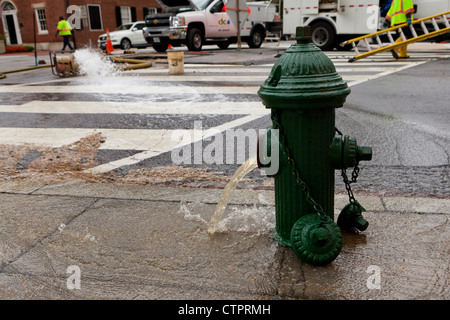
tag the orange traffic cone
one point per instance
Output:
(109, 46)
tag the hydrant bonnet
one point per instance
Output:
(303, 77)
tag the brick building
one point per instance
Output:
(20, 19)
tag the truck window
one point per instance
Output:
(202, 4)
(218, 7)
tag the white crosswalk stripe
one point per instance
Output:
(231, 90)
(139, 107)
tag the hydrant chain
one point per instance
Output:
(348, 186)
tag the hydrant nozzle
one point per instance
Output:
(346, 153)
(303, 35)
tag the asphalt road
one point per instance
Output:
(405, 118)
(402, 113)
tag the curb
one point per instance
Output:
(40, 53)
(373, 203)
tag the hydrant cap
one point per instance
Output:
(303, 77)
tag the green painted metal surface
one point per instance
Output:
(308, 134)
(304, 78)
(303, 91)
(316, 240)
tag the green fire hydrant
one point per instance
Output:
(303, 91)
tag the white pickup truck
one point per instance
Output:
(197, 22)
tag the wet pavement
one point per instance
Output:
(149, 242)
(139, 232)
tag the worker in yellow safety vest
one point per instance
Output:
(64, 29)
(401, 11)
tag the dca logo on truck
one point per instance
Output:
(223, 22)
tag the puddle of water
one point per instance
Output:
(245, 168)
(257, 220)
(188, 215)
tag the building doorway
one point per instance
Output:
(10, 23)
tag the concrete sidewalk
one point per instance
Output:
(14, 61)
(150, 242)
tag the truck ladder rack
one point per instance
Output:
(393, 45)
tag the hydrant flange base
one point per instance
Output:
(316, 239)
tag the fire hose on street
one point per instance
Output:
(3, 73)
(133, 64)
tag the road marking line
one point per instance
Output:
(139, 107)
(201, 78)
(115, 139)
(387, 72)
(138, 157)
(118, 89)
(141, 89)
(204, 70)
(50, 137)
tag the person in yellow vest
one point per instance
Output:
(64, 29)
(401, 11)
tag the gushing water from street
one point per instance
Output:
(99, 70)
(240, 173)
(95, 65)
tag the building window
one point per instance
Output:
(95, 17)
(149, 11)
(41, 21)
(125, 15)
(8, 6)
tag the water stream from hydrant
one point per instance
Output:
(98, 69)
(240, 173)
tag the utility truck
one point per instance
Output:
(334, 21)
(195, 23)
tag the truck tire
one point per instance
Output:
(338, 42)
(194, 39)
(223, 45)
(323, 35)
(160, 47)
(256, 38)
